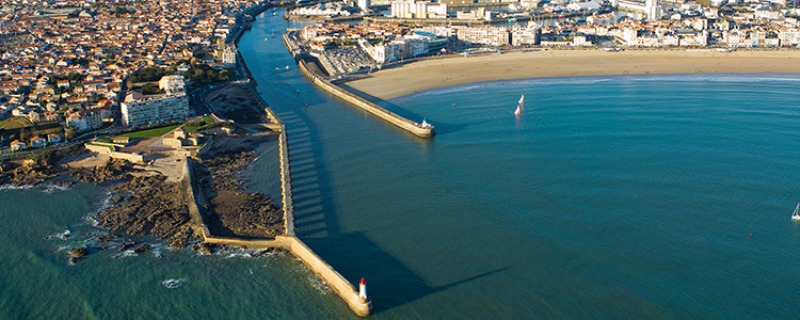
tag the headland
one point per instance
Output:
(459, 69)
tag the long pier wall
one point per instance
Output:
(289, 241)
(335, 281)
(286, 177)
(361, 103)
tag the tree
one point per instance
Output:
(69, 132)
(150, 88)
(224, 75)
(25, 133)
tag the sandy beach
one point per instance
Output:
(436, 73)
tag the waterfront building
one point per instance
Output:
(652, 9)
(496, 37)
(435, 42)
(227, 56)
(363, 4)
(85, 120)
(381, 53)
(526, 36)
(584, 6)
(412, 9)
(413, 45)
(172, 85)
(138, 110)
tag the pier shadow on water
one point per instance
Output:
(391, 283)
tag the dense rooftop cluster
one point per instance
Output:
(76, 54)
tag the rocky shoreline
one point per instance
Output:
(144, 206)
(149, 206)
(233, 211)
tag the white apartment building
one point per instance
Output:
(380, 53)
(85, 120)
(172, 85)
(525, 36)
(412, 9)
(484, 36)
(229, 57)
(138, 110)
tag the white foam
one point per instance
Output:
(173, 283)
(13, 187)
(243, 255)
(64, 235)
(52, 188)
(319, 285)
(126, 253)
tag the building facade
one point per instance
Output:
(150, 110)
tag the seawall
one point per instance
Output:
(361, 103)
(107, 150)
(289, 242)
(335, 281)
(286, 177)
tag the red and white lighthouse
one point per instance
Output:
(362, 290)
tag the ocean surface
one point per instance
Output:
(639, 197)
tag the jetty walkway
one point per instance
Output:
(288, 242)
(418, 129)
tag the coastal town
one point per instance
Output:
(155, 97)
(76, 67)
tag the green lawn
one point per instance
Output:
(199, 124)
(149, 133)
(15, 122)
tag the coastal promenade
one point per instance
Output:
(420, 130)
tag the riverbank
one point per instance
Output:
(455, 70)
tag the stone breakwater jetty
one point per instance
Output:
(356, 300)
(422, 130)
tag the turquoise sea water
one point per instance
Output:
(611, 197)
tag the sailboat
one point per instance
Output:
(796, 213)
(520, 106)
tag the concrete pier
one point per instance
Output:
(289, 241)
(356, 101)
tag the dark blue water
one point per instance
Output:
(615, 198)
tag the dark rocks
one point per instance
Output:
(235, 212)
(78, 252)
(126, 246)
(141, 248)
(106, 238)
(202, 248)
(113, 170)
(149, 206)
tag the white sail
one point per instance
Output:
(521, 100)
(520, 105)
(796, 213)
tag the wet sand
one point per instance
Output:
(443, 72)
